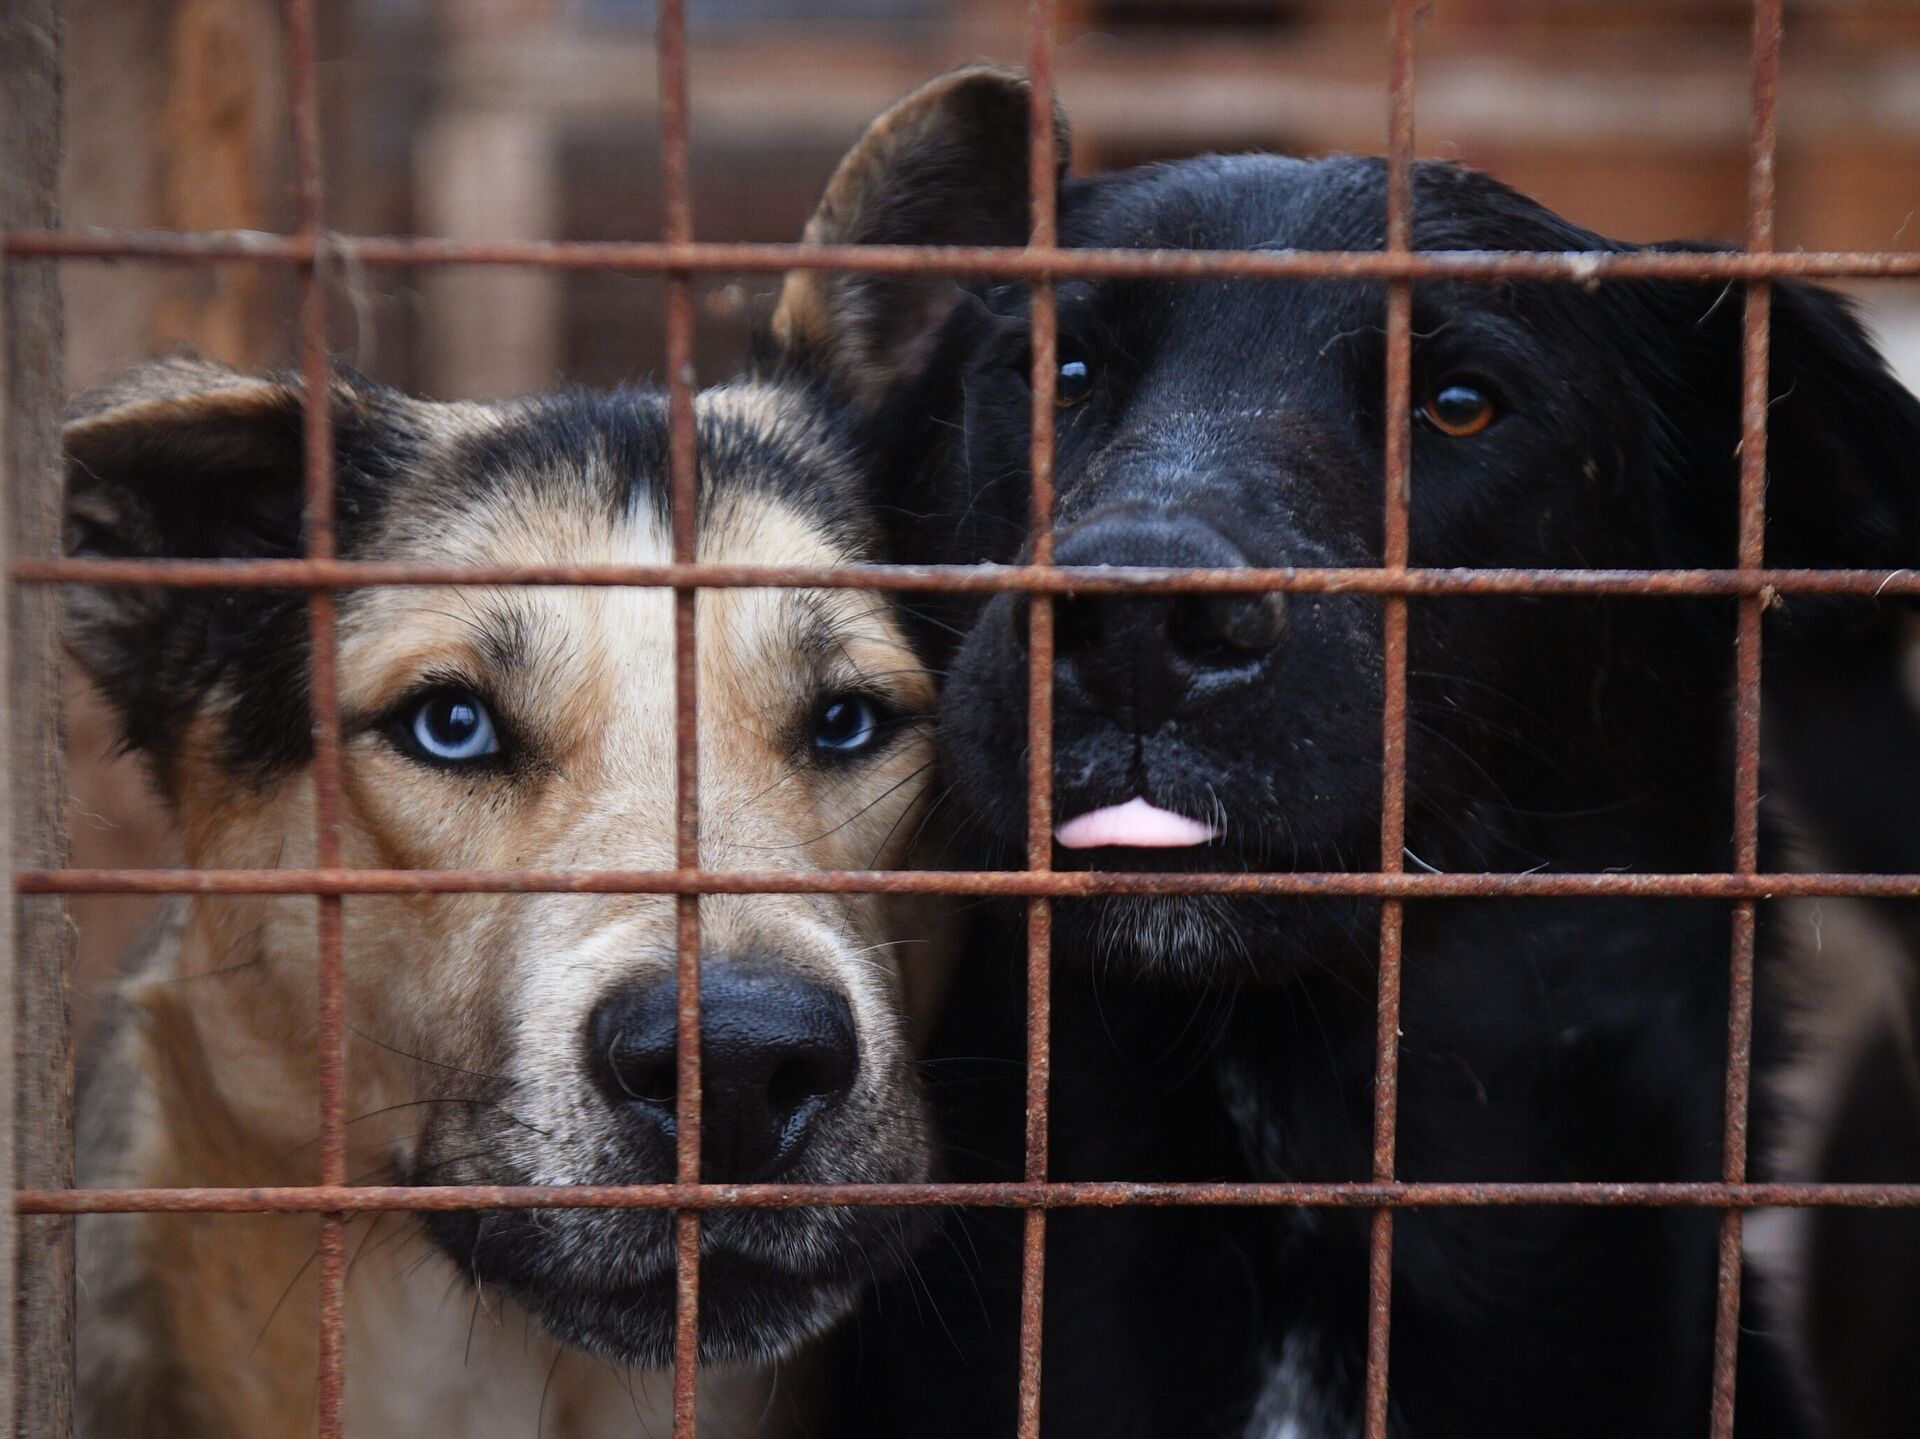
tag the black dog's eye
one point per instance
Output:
(1074, 382)
(449, 727)
(846, 725)
(1459, 408)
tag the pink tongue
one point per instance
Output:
(1133, 825)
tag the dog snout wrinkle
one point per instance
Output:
(778, 1054)
(1155, 658)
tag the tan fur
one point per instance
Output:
(222, 1035)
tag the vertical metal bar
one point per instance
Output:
(1393, 728)
(682, 468)
(1041, 161)
(315, 373)
(1767, 36)
(36, 938)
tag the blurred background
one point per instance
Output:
(534, 119)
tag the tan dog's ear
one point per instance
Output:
(945, 166)
(184, 458)
(189, 460)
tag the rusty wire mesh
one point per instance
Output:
(310, 249)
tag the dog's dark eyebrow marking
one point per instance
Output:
(504, 632)
(820, 640)
(822, 643)
(501, 631)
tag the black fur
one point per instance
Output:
(1543, 1040)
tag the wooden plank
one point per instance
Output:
(8, 1286)
(1605, 86)
(36, 1329)
(219, 119)
(489, 175)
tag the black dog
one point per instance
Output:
(1230, 423)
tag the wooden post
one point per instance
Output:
(220, 115)
(488, 175)
(36, 1058)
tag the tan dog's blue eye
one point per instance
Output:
(1459, 409)
(846, 724)
(1073, 384)
(453, 727)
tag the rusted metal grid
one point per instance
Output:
(310, 249)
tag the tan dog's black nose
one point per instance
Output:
(777, 1056)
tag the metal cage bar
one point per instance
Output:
(309, 249)
(309, 198)
(1015, 883)
(1395, 548)
(971, 579)
(682, 480)
(1397, 1194)
(1746, 710)
(1042, 240)
(990, 262)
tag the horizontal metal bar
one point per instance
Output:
(1018, 1195)
(971, 579)
(994, 262)
(1069, 884)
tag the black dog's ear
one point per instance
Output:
(188, 460)
(1843, 441)
(945, 166)
(1843, 434)
(1843, 491)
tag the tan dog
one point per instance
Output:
(493, 1039)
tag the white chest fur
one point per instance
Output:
(425, 1361)
(1295, 1401)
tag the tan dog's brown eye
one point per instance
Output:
(1073, 384)
(1459, 409)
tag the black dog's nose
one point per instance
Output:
(777, 1055)
(1153, 657)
